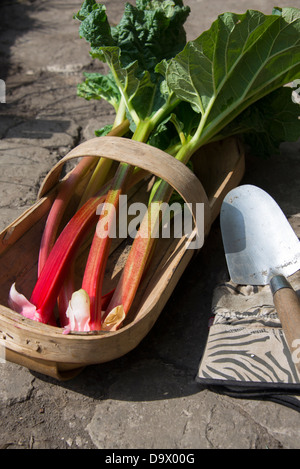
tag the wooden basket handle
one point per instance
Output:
(144, 156)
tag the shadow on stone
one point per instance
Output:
(15, 20)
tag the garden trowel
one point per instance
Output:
(261, 248)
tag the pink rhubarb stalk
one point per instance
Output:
(52, 225)
(59, 207)
(99, 251)
(66, 192)
(44, 296)
(138, 258)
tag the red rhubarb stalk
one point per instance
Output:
(58, 208)
(142, 246)
(44, 296)
(48, 285)
(99, 251)
(138, 258)
(66, 191)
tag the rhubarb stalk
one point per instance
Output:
(59, 206)
(66, 191)
(40, 306)
(138, 257)
(99, 251)
(48, 285)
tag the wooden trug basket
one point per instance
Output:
(45, 349)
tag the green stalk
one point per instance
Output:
(99, 176)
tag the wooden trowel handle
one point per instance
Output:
(287, 304)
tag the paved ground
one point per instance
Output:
(149, 398)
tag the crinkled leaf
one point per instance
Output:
(142, 96)
(150, 32)
(161, 68)
(240, 59)
(166, 5)
(125, 77)
(147, 33)
(97, 86)
(94, 26)
(86, 8)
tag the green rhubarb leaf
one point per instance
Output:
(267, 123)
(177, 128)
(239, 60)
(164, 135)
(151, 31)
(94, 26)
(86, 8)
(97, 86)
(147, 33)
(137, 92)
(189, 119)
(277, 120)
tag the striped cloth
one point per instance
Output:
(246, 353)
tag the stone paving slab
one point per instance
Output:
(149, 398)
